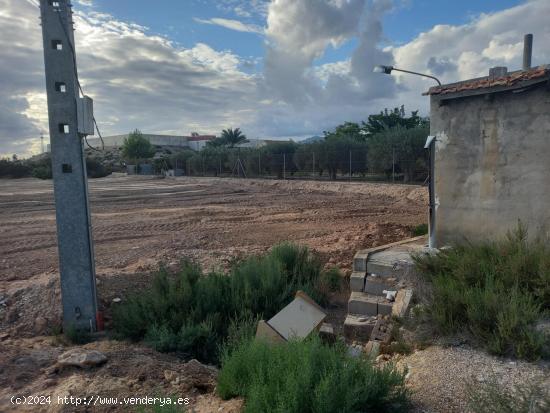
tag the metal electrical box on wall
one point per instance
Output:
(85, 106)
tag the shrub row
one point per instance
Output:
(41, 168)
(497, 291)
(191, 313)
(308, 376)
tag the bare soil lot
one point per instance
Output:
(139, 222)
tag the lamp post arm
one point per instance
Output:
(419, 74)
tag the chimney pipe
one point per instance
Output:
(527, 51)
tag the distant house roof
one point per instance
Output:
(493, 84)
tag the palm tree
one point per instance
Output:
(233, 137)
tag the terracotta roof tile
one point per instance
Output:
(509, 80)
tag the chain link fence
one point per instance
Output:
(350, 165)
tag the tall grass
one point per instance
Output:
(496, 291)
(193, 313)
(308, 376)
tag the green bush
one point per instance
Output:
(42, 172)
(95, 169)
(496, 290)
(419, 230)
(193, 314)
(308, 376)
(77, 336)
(13, 168)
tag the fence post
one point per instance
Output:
(314, 164)
(284, 166)
(350, 165)
(393, 165)
(259, 164)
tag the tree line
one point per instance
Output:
(386, 144)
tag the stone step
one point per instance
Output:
(376, 285)
(360, 261)
(365, 304)
(357, 281)
(358, 327)
(389, 263)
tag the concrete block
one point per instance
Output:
(389, 263)
(326, 332)
(299, 318)
(358, 327)
(381, 331)
(357, 281)
(360, 261)
(402, 302)
(372, 348)
(375, 285)
(384, 306)
(363, 304)
(267, 333)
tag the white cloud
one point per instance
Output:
(469, 50)
(140, 80)
(244, 8)
(232, 25)
(137, 80)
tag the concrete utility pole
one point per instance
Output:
(70, 118)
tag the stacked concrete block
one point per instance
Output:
(377, 285)
(381, 331)
(360, 261)
(402, 302)
(358, 327)
(384, 306)
(375, 273)
(363, 304)
(357, 281)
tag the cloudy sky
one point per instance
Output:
(279, 68)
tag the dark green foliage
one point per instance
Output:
(308, 376)
(13, 168)
(388, 119)
(77, 336)
(95, 169)
(278, 157)
(496, 290)
(419, 230)
(490, 397)
(42, 171)
(229, 138)
(137, 147)
(347, 130)
(194, 314)
(403, 145)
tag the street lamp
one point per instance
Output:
(388, 69)
(430, 144)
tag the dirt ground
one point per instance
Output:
(139, 222)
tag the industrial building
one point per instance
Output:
(195, 141)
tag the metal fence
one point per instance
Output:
(325, 165)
